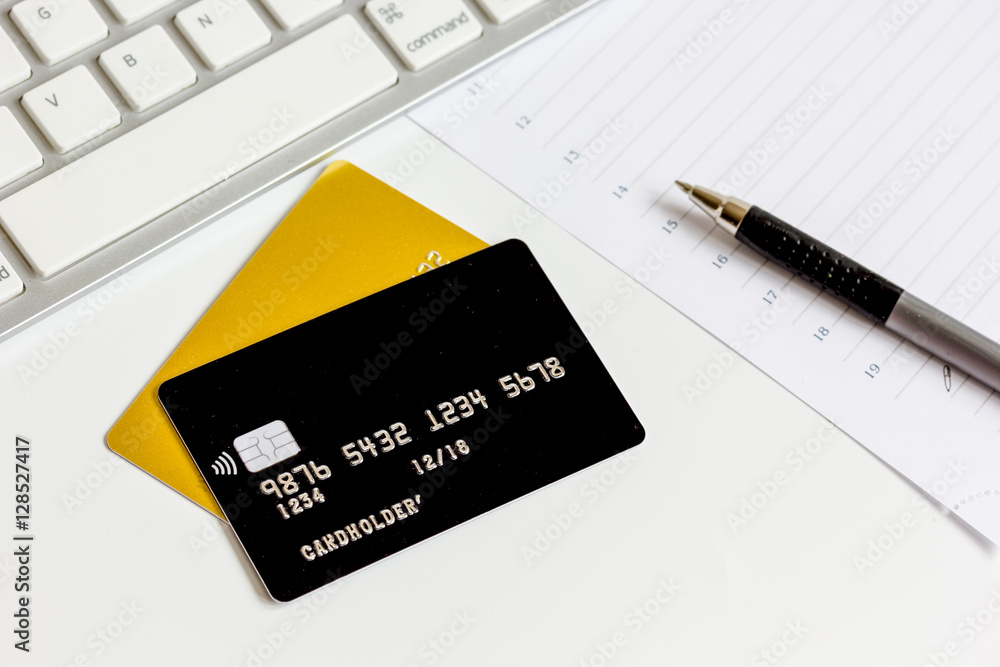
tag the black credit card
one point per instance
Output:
(370, 428)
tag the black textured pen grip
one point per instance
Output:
(819, 264)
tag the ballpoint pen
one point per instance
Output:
(870, 294)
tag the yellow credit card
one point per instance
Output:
(350, 236)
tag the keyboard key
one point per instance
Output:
(195, 145)
(19, 156)
(222, 32)
(291, 14)
(13, 67)
(147, 68)
(71, 109)
(501, 11)
(57, 29)
(10, 282)
(130, 11)
(423, 32)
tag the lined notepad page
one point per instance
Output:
(872, 126)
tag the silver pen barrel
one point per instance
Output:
(946, 338)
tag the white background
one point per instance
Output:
(129, 542)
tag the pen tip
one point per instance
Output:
(684, 186)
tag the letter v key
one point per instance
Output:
(71, 109)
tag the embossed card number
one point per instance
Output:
(320, 476)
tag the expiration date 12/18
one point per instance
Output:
(444, 454)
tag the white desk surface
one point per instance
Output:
(839, 562)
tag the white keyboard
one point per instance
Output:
(126, 125)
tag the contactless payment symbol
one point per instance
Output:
(266, 446)
(224, 465)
